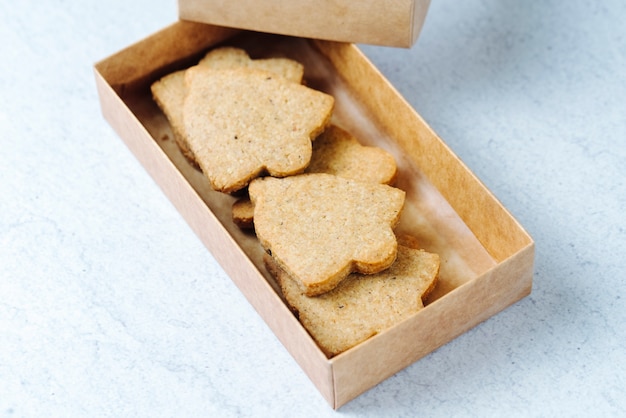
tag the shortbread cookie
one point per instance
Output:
(411, 242)
(240, 123)
(169, 91)
(231, 57)
(338, 152)
(169, 94)
(243, 213)
(321, 227)
(361, 305)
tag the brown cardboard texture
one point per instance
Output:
(391, 23)
(487, 257)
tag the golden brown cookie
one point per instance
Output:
(169, 94)
(243, 213)
(231, 57)
(336, 151)
(361, 305)
(412, 242)
(321, 227)
(169, 91)
(241, 123)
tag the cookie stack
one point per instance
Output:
(322, 205)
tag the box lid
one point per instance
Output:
(375, 22)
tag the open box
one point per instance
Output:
(487, 257)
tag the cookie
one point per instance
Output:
(243, 213)
(411, 242)
(320, 227)
(336, 151)
(361, 305)
(231, 57)
(241, 123)
(169, 91)
(169, 94)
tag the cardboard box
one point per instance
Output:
(487, 257)
(391, 23)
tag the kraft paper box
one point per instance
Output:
(486, 256)
(377, 22)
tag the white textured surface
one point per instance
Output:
(110, 306)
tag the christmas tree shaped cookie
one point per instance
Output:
(362, 305)
(241, 123)
(319, 227)
(169, 91)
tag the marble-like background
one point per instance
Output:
(110, 305)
